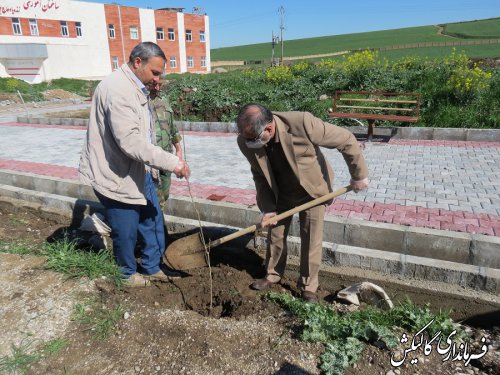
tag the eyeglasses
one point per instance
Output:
(256, 138)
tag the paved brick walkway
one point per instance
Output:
(436, 184)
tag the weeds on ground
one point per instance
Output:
(64, 257)
(345, 336)
(18, 221)
(24, 356)
(19, 248)
(98, 318)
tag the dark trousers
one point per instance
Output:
(130, 222)
(311, 247)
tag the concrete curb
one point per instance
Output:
(407, 266)
(435, 134)
(413, 133)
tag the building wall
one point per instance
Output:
(91, 54)
(147, 24)
(182, 42)
(207, 47)
(71, 56)
(116, 46)
(123, 19)
(168, 20)
(195, 48)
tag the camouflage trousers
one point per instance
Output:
(163, 190)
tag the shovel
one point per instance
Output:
(189, 252)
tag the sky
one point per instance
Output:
(235, 22)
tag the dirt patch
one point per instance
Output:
(9, 98)
(36, 304)
(10, 103)
(56, 95)
(488, 62)
(59, 94)
(194, 326)
(84, 113)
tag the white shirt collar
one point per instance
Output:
(139, 82)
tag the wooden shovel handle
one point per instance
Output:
(281, 216)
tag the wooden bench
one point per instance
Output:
(372, 106)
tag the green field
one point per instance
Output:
(483, 29)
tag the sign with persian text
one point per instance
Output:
(30, 8)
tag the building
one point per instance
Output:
(42, 40)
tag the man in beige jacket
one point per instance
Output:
(119, 158)
(289, 169)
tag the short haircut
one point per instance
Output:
(145, 51)
(254, 117)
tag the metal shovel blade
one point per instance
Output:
(187, 252)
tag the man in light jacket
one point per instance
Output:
(120, 159)
(289, 169)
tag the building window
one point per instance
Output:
(203, 61)
(16, 26)
(171, 34)
(173, 62)
(134, 32)
(78, 26)
(64, 28)
(111, 29)
(159, 33)
(114, 62)
(190, 62)
(202, 36)
(33, 27)
(189, 36)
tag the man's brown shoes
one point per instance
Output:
(261, 284)
(309, 296)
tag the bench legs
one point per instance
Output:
(371, 125)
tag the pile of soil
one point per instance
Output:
(59, 94)
(11, 104)
(9, 98)
(211, 322)
(488, 62)
(83, 113)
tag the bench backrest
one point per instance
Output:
(376, 105)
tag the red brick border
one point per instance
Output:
(409, 142)
(44, 126)
(373, 211)
(59, 171)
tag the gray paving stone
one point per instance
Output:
(438, 205)
(461, 207)
(419, 204)
(395, 201)
(449, 201)
(386, 196)
(411, 197)
(427, 199)
(480, 210)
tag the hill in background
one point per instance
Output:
(478, 39)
